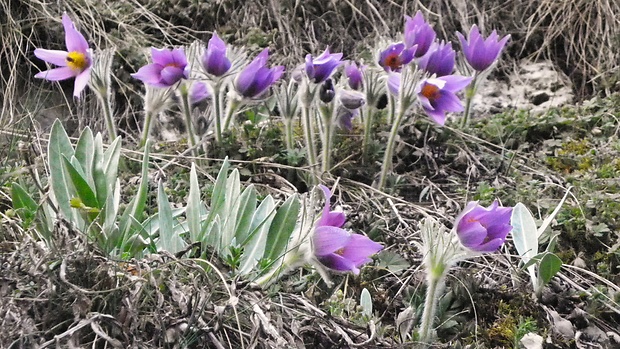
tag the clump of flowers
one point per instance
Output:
(76, 62)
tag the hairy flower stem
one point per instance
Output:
(470, 92)
(217, 111)
(396, 118)
(435, 285)
(146, 130)
(288, 134)
(233, 105)
(187, 114)
(104, 97)
(328, 131)
(369, 120)
(308, 125)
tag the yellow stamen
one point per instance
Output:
(340, 252)
(77, 61)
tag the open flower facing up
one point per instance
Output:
(418, 34)
(481, 53)
(75, 62)
(322, 67)
(483, 229)
(335, 247)
(394, 57)
(354, 74)
(439, 59)
(256, 78)
(168, 68)
(437, 95)
(214, 60)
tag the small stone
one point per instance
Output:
(532, 341)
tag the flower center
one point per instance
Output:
(77, 61)
(340, 252)
(430, 91)
(393, 61)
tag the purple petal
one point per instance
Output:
(198, 92)
(393, 83)
(339, 263)
(179, 58)
(471, 233)
(161, 56)
(81, 80)
(448, 101)
(149, 74)
(328, 240)
(74, 40)
(455, 83)
(438, 115)
(490, 246)
(170, 75)
(56, 57)
(359, 248)
(56, 74)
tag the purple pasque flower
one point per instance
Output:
(481, 53)
(214, 60)
(344, 118)
(419, 34)
(256, 78)
(76, 62)
(354, 74)
(439, 59)
(335, 247)
(393, 83)
(437, 95)
(322, 67)
(394, 57)
(198, 92)
(169, 67)
(483, 229)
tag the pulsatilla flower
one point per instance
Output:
(198, 92)
(354, 74)
(483, 229)
(168, 68)
(322, 67)
(214, 59)
(394, 57)
(481, 53)
(437, 95)
(439, 59)
(256, 78)
(75, 62)
(418, 35)
(335, 247)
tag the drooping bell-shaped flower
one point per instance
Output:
(418, 35)
(214, 60)
(336, 248)
(76, 62)
(322, 67)
(256, 78)
(344, 118)
(354, 74)
(481, 53)
(351, 99)
(483, 229)
(394, 57)
(439, 59)
(438, 95)
(169, 67)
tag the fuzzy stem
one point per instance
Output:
(435, 285)
(368, 123)
(308, 126)
(233, 105)
(146, 130)
(470, 92)
(104, 98)
(328, 130)
(389, 150)
(187, 114)
(217, 111)
(288, 134)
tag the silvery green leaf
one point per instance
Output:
(525, 237)
(169, 239)
(366, 303)
(254, 245)
(282, 227)
(59, 146)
